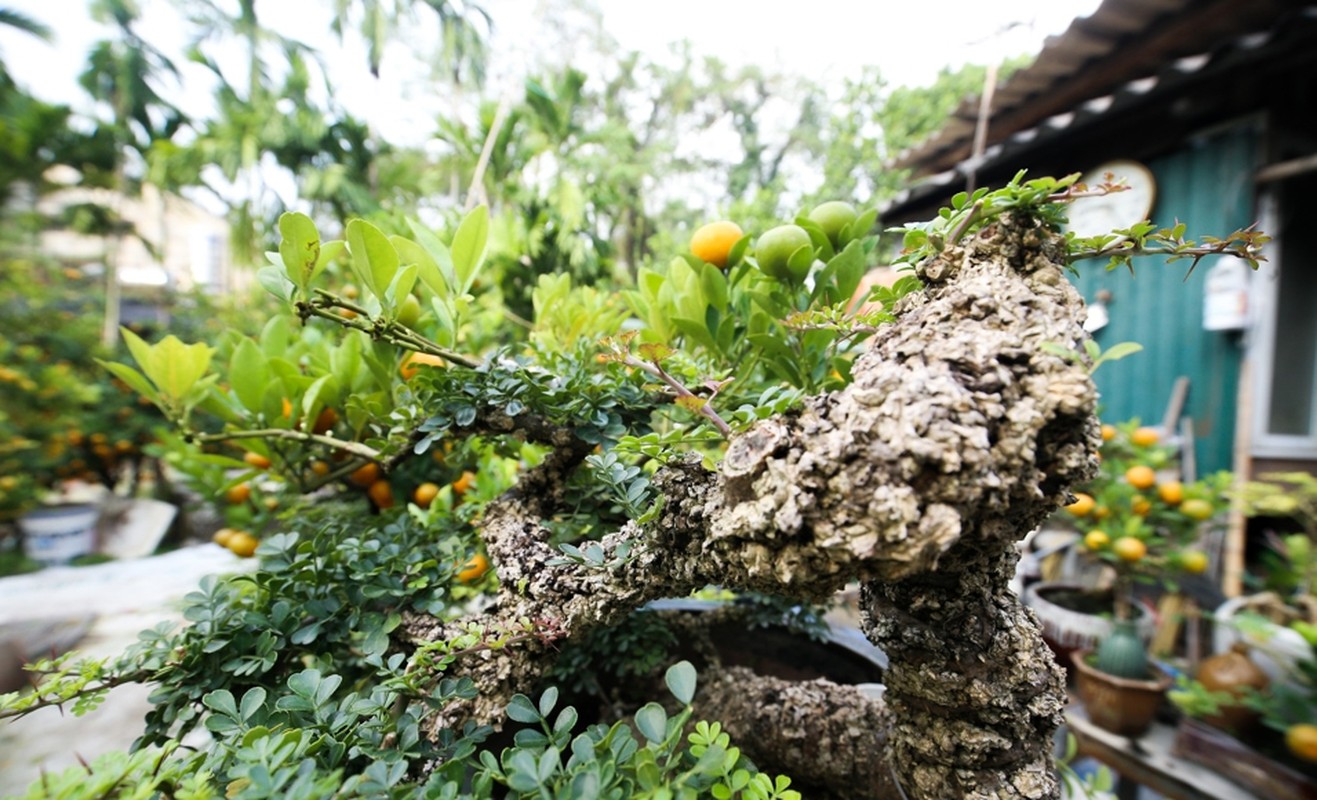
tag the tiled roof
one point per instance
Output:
(1103, 64)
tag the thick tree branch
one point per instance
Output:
(959, 434)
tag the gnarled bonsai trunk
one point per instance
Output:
(959, 434)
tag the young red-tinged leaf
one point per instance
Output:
(655, 351)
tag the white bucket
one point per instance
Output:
(58, 534)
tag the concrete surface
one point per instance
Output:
(127, 597)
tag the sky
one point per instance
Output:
(910, 41)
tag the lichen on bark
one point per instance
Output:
(959, 433)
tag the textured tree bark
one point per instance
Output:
(959, 434)
(821, 734)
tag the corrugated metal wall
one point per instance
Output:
(1208, 184)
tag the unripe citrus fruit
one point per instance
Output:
(1301, 739)
(471, 571)
(1101, 512)
(1197, 509)
(414, 361)
(425, 494)
(256, 460)
(833, 217)
(713, 242)
(366, 474)
(243, 544)
(1171, 493)
(1083, 505)
(381, 494)
(1141, 476)
(1193, 562)
(238, 494)
(1096, 540)
(1127, 548)
(409, 311)
(774, 249)
(1145, 437)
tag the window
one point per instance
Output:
(1285, 347)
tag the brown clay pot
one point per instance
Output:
(1120, 705)
(1234, 672)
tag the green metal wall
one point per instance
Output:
(1207, 184)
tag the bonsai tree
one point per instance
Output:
(746, 431)
(1138, 517)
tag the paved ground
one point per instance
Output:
(126, 597)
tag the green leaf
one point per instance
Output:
(402, 283)
(311, 399)
(299, 247)
(714, 285)
(1117, 352)
(520, 709)
(427, 269)
(860, 226)
(221, 702)
(328, 252)
(142, 352)
(652, 722)
(249, 374)
(274, 281)
(440, 254)
(548, 700)
(179, 366)
(135, 380)
(838, 280)
(252, 701)
(276, 336)
(696, 330)
(373, 258)
(681, 681)
(469, 246)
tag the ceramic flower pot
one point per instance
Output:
(1121, 705)
(1275, 648)
(1074, 618)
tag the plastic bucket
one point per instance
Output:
(59, 534)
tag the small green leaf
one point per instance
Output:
(548, 700)
(142, 352)
(469, 246)
(221, 702)
(440, 254)
(252, 701)
(135, 380)
(681, 681)
(652, 721)
(520, 709)
(274, 281)
(299, 247)
(427, 269)
(328, 252)
(248, 375)
(373, 258)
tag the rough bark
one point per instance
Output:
(823, 735)
(958, 435)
